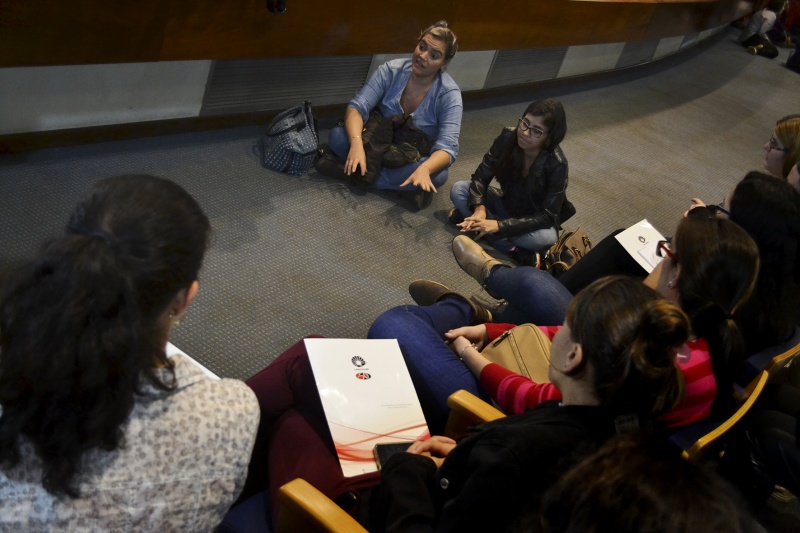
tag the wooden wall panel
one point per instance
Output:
(47, 32)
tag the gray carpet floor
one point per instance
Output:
(298, 255)
(293, 256)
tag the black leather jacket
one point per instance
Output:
(534, 202)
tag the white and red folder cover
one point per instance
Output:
(641, 241)
(368, 397)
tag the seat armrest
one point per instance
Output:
(466, 411)
(306, 509)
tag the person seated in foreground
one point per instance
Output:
(709, 269)
(418, 88)
(99, 428)
(613, 361)
(522, 217)
(638, 485)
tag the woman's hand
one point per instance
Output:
(420, 178)
(481, 227)
(355, 158)
(696, 202)
(437, 448)
(471, 334)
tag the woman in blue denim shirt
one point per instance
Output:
(418, 87)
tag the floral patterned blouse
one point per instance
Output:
(183, 464)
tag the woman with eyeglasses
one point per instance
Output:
(783, 148)
(613, 360)
(767, 208)
(609, 257)
(709, 269)
(523, 216)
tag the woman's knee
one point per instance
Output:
(440, 178)
(537, 240)
(387, 323)
(338, 141)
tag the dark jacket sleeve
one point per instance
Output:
(489, 485)
(485, 171)
(405, 500)
(552, 182)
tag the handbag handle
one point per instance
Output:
(276, 6)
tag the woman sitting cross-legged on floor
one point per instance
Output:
(522, 217)
(709, 269)
(615, 356)
(418, 88)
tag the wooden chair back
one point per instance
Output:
(305, 509)
(705, 442)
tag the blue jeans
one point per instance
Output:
(435, 370)
(534, 241)
(389, 178)
(533, 295)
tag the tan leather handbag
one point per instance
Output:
(524, 349)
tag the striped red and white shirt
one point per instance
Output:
(515, 393)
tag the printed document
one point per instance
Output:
(368, 397)
(641, 241)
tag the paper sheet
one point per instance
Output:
(641, 241)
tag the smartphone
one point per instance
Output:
(383, 451)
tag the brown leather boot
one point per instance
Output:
(426, 292)
(473, 259)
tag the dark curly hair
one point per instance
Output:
(512, 159)
(84, 326)
(768, 209)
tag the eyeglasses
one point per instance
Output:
(663, 248)
(773, 145)
(534, 131)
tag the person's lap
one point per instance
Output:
(435, 370)
(533, 241)
(389, 178)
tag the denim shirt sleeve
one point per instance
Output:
(439, 114)
(448, 109)
(384, 89)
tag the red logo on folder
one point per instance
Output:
(363, 375)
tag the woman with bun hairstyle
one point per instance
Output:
(645, 487)
(614, 362)
(99, 428)
(710, 268)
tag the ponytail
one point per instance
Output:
(71, 338)
(719, 268)
(82, 328)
